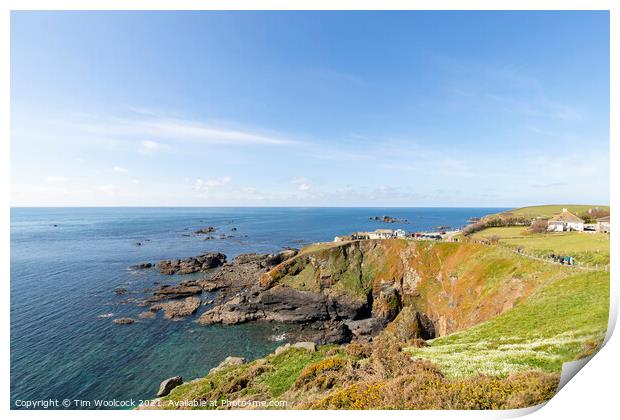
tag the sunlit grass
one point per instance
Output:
(586, 248)
(554, 326)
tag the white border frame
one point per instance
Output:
(593, 394)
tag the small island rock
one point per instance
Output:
(124, 321)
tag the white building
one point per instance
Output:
(399, 233)
(565, 221)
(383, 234)
(603, 224)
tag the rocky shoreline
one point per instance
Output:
(238, 293)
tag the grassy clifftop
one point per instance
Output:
(590, 248)
(549, 210)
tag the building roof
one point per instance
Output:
(387, 231)
(603, 219)
(566, 216)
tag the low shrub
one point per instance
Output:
(496, 221)
(428, 389)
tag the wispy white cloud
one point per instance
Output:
(217, 182)
(537, 107)
(210, 183)
(150, 145)
(120, 169)
(159, 128)
(197, 131)
(302, 183)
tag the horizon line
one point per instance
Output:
(301, 206)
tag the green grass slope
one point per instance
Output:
(550, 210)
(559, 323)
(591, 248)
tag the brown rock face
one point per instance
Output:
(178, 308)
(411, 324)
(190, 265)
(387, 303)
(177, 292)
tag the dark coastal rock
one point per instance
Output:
(140, 266)
(365, 329)
(341, 305)
(168, 385)
(265, 260)
(120, 291)
(124, 321)
(192, 264)
(331, 332)
(285, 304)
(427, 327)
(177, 292)
(249, 258)
(327, 314)
(205, 231)
(277, 258)
(281, 304)
(179, 308)
(388, 219)
(235, 311)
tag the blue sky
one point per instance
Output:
(309, 108)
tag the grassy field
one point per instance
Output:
(586, 248)
(550, 210)
(561, 322)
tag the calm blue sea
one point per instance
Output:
(66, 263)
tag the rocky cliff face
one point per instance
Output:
(448, 286)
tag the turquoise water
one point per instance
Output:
(66, 263)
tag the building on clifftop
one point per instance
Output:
(565, 221)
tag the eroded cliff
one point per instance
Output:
(451, 286)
